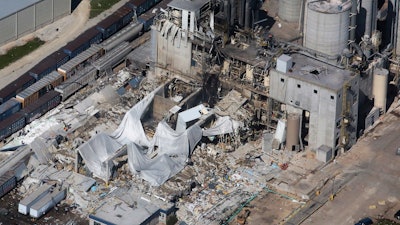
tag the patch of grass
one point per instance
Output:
(99, 6)
(18, 52)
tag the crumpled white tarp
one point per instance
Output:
(95, 153)
(154, 160)
(223, 125)
(169, 148)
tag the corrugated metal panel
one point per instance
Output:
(8, 29)
(44, 13)
(80, 59)
(73, 84)
(26, 20)
(126, 34)
(113, 56)
(61, 7)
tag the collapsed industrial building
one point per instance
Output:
(213, 107)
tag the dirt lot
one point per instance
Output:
(269, 207)
(374, 190)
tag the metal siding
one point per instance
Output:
(61, 7)
(26, 21)
(8, 28)
(44, 13)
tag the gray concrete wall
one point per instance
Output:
(44, 13)
(31, 18)
(174, 54)
(8, 28)
(25, 21)
(61, 8)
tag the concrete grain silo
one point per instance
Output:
(290, 10)
(327, 26)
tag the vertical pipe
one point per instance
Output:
(233, 12)
(247, 16)
(227, 11)
(241, 10)
(397, 28)
(353, 21)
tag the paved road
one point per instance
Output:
(367, 184)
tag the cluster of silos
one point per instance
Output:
(241, 12)
(379, 87)
(327, 26)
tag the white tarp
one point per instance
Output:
(169, 148)
(95, 153)
(155, 160)
(223, 125)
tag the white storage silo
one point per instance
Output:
(327, 26)
(289, 10)
(379, 88)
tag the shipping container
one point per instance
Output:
(7, 182)
(8, 108)
(11, 125)
(15, 87)
(25, 204)
(49, 64)
(38, 89)
(108, 26)
(44, 104)
(83, 42)
(142, 6)
(77, 63)
(126, 13)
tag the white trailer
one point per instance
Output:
(47, 202)
(28, 201)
